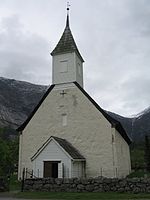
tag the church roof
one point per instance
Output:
(66, 43)
(67, 146)
(116, 124)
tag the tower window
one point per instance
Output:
(64, 66)
(64, 119)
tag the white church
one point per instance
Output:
(68, 134)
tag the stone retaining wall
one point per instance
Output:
(134, 185)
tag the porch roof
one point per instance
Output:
(67, 146)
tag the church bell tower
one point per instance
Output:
(67, 62)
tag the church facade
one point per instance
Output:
(68, 134)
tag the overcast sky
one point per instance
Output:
(113, 36)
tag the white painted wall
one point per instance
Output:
(87, 130)
(123, 156)
(65, 69)
(79, 70)
(52, 152)
(78, 169)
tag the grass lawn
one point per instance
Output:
(14, 183)
(82, 196)
(137, 156)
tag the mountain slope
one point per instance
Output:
(17, 99)
(126, 122)
(141, 125)
(136, 127)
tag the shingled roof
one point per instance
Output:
(67, 146)
(66, 43)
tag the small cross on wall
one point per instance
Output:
(63, 93)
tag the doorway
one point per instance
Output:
(50, 169)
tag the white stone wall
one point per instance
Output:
(86, 129)
(123, 156)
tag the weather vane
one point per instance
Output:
(68, 5)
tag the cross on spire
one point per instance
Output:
(68, 5)
(67, 22)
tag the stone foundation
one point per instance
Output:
(134, 185)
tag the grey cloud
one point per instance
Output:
(140, 13)
(23, 55)
(113, 37)
(120, 59)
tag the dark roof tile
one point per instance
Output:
(66, 43)
(68, 147)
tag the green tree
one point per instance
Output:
(8, 153)
(13, 151)
(147, 153)
(4, 158)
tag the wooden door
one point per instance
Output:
(50, 169)
(55, 170)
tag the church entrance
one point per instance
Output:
(50, 169)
